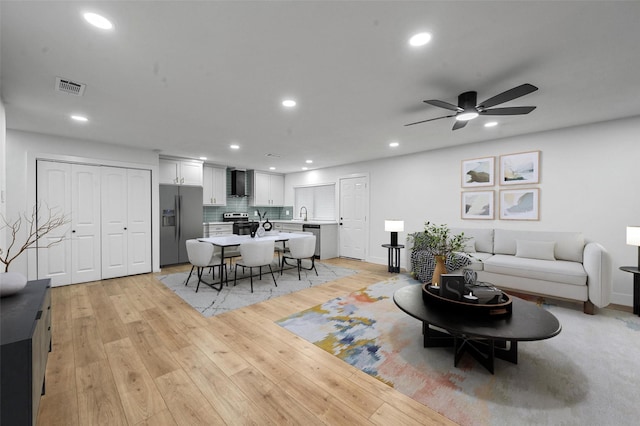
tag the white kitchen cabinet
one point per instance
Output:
(214, 186)
(329, 241)
(180, 172)
(287, 227)
(217, 229)
(268, 189)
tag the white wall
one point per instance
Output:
(588, 177)
(23, 148)
(3, 175)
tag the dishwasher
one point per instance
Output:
(315, 230)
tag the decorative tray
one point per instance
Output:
(498, 307)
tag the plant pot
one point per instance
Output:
(440, 269)
(11, 283)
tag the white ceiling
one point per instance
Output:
(190, 78)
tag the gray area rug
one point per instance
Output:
(210, 302)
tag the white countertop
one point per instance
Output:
(236, 240)
(302, 222)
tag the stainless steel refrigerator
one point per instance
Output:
(180, 220)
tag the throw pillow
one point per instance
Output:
(543, 250)
(470, 246)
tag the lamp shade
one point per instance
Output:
(633, 235)
(394, 225)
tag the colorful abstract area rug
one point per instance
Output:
(587, 375)
(210, 302)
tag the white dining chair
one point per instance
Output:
(255, 254)
(280, 250)
(201, 255)
(299, 249)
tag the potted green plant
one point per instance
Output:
(440, 242)
(37, 226)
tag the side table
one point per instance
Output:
(636, 286)
(394, 256)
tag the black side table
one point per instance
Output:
(394, 256)
(636, 286)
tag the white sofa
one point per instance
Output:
(554, 264)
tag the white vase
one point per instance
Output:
(11, 283)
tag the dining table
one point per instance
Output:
(234, 240)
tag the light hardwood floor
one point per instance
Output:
(128, 351)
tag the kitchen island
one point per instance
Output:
(326, 232)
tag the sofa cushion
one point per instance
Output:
(560, 271)
(483, 238)
(569, 245)
(542, 250)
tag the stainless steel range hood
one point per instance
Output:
(238, 183)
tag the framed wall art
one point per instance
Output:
(477, 205)
(520, 204)
(478, 172)
(520, 169)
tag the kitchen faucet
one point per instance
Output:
(305, 212)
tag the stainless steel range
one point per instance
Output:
(241, 224)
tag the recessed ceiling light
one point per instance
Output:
(305, 168)
(491, 124)
(98, 21)
(289, 103)
(309, 161)
(394, 144)
(272, 168)
(420, 39)
(79, 118)
(234, 146)
(203, 158)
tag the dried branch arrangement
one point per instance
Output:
(36, 230)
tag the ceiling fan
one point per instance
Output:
(468, 108)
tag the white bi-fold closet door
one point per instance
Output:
(126, 222)
(109, 233)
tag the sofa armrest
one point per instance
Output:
(597, 265)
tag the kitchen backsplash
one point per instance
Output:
(240, 204)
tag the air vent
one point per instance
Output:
(272, 155)
(70, 87)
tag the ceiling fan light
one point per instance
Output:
(466, 116)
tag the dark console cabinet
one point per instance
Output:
(25, 321)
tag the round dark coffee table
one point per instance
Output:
(482, 338)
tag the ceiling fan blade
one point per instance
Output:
(508, 111)
(431, 119)
(509, 95)
(459, 124)
(443, 104)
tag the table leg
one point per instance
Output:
(636, 294)
(222, 274)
